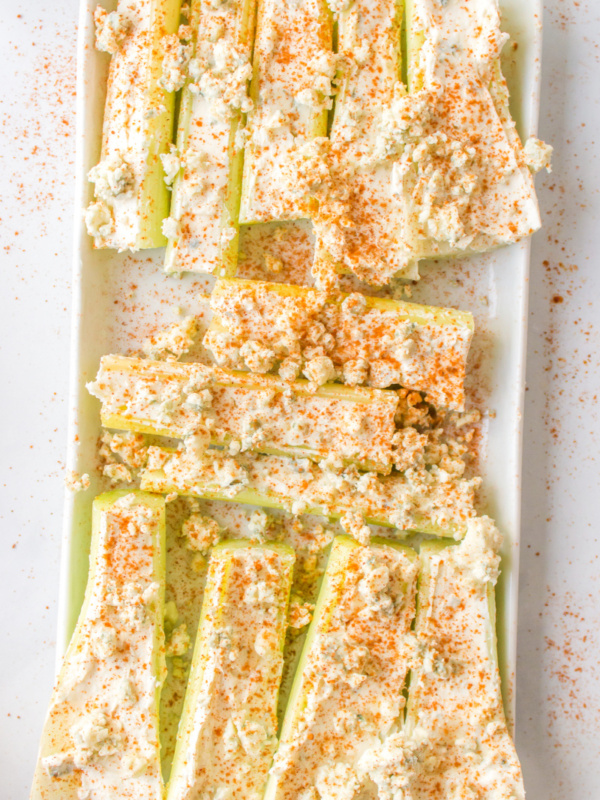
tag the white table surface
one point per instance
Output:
(558, 686)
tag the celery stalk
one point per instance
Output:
(227, 733)
(101, 734)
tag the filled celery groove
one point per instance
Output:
(228, 729)
(205, 167)
(373, 341)
(130, 196)
(101, 735)
(291, 92)
(418, 500)
(358, 222)
(248, 412)
(455, 718)
(347, 692)
(465, 180)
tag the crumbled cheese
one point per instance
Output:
(175, 62)
(93, 739)
(118, 473)
(131, 447)
(258, 525)
(99, 220)
(290, 368)
(170, 227)
(300, 614)
(179, 641)
(259, 594)
(58, 765)
(320, 370)
(257, 357)
(199, 401)
(201, 532)
(111, 29)
(337, 782)
(538, 154)
(478, 551)
(353, 524)
(112, 177)
(356, 371)
(77, 483)
(173, 341)
(220, 71)
(171, 164)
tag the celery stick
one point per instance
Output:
(372, 340)
(228, 729)
(131, 198)
(101, 735)
(347, 692)
(455, 735)
(256, 412)
(418, 501)
(291, 88)
(208, 162)
(359, 224)
(483, 194)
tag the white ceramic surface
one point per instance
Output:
(557, 683)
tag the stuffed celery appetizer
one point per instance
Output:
(347, 692)
(248, 412)
(101, 735)
(131, 198)
(228, 730)
(291, 91)
(421, 499)
(206, 166)
(368, 340)
(455, 741)
(359, 224)
(464, 178)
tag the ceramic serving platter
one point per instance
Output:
(121, 299)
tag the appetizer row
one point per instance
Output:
(388, 621)
(274, 124)
(359, 453)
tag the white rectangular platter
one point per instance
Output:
(120, 299)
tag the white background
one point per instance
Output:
(558, 685)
